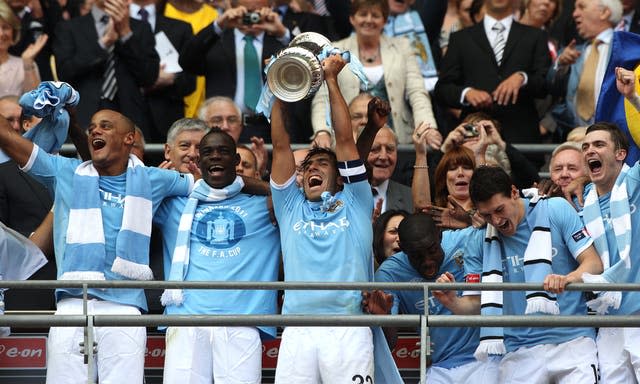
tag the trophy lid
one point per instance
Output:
(312, 41)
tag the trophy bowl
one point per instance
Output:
(295, 74)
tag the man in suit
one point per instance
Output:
(473, 79)
(630, 17)
(382, 159)
(166, 96)
(231, 55)
(570, 76)
(88, 47)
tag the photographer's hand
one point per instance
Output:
(270, 23)
(231, 18)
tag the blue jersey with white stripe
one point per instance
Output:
(568, 240)
(330, 244)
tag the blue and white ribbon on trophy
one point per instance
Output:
(265, 103)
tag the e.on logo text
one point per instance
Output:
(27, 352)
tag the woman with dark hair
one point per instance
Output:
(385, 234)
(452, 177)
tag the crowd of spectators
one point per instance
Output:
(461, 80)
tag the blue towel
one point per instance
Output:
(84, 257)
(48, 102)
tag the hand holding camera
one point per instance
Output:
(252, 21)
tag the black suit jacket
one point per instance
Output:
(304, 22)
(470, 62)
(635, 21)
(81, 62)
(399, 197)
(24, 202)
(167, 104)
(214, 57)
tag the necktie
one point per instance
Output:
(498, 42)
(321, 7)
(252, 77)
(585, 97)
(144, 14)
(109, 83)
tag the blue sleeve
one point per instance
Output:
(285, 197)
(167, 183)
(473, 254)
(46, 167)
(383, 276)
(569, 225)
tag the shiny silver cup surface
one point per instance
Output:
(296, 72)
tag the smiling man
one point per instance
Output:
(382, 159)
(103, 211)
(181, 150)
(223, 235)
(534, 241)
(566, 164)
(611, 217)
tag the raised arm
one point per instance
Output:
(15, 146)
(283, 164)
(377, 112)
(340, 119)
(420, 185)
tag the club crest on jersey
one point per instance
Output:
(219, 228)
(338, 204)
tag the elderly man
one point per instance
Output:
(567, 164)
(579, 69)
(183, 143)
(382, 159)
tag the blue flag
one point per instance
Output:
(612, 106)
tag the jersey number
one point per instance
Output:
(358, 379)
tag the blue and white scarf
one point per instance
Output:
(202, 192)
(537, 265)
(48, 102)
(85, 253)
(621, 222)
(410, 26)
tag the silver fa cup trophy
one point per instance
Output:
(296, 72)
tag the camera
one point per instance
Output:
(470, 131)
(251, 18)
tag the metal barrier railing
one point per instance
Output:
(424, 321)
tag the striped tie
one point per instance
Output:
(320, 7)
(109, 84)
(498, 42)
